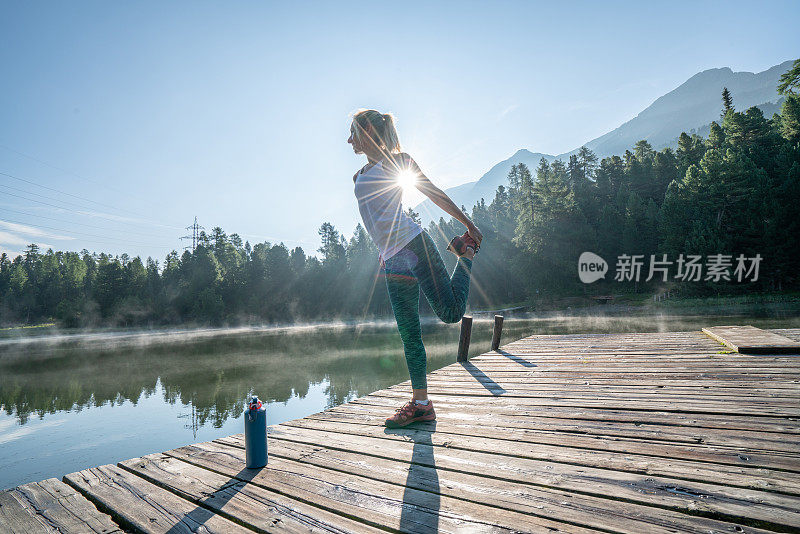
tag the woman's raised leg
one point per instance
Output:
(446, 294)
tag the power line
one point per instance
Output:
(72, 222)
(73, 203)
(76, 175)
(74, 196)
(38, 226)
(64, 192)
(38, 201)
(99, 215)
(41, 195)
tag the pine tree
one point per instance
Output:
(665, 165)
(790, 80)
(716, 136)
(588, 162)
(790, 119)
(332, 249)
(575, 173)
(297, 260)
(521, 191)
(727, 102)
(690, 151)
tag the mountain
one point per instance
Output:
(691, 106)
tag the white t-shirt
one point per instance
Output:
(379, 201)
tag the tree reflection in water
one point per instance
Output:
(214, 375)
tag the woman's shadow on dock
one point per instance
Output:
(422, 495)
(211, 506)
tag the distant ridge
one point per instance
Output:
(690, 106)
(483, 188)
(693, 104)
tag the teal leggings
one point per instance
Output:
(419, 265)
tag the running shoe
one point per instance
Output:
(459, 244)
(410, 412)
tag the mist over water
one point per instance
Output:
(71, 401)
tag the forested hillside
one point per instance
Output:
(736, 192)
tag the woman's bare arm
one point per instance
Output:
(441, 199)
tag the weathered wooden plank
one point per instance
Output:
(651, 373)
(517, 365)
(623, 347)
(137, 504)
(445, 387)
(521, 386)
(611, 355)
(610, 342)
(651, 429)
(50, 506)
(585, 510)
(791, 333)
(763, 409)
(458, 375)
(656, 368)
(236, 499)
(547, 353)
(459, 372)
(770, 510)
(610, 437)
(511, 408)
(651, 424)
(636, 461)
(391, 506)
(514, 369)
(752, 340)
(785, 379)
(589, 372)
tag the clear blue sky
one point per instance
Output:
(150, 113)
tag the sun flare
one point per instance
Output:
(407, 179)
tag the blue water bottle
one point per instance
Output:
(255, 434)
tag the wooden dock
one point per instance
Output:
(638, 433)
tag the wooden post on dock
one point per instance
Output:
(498, 329)
(463, 342)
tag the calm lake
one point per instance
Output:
(73, 401)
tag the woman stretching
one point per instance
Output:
(408, 256)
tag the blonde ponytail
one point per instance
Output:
(383, 124)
